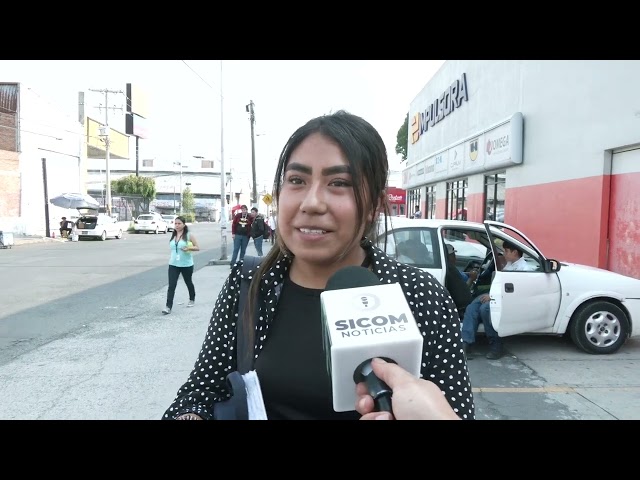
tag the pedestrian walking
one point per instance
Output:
(258, 230)
(273, 223)
(240, 230)
(181, 244)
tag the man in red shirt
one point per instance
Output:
(240, 229)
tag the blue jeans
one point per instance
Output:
(475, 313)
(257, 242)
(240, 243)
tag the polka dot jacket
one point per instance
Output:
(443, 362)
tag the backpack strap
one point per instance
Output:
(244, 350)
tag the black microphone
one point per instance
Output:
(379, 391)
(363, 319)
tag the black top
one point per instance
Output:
(292, 366)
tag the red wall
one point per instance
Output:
(475, 207)
(624, 225)
(441, 208)
(571, 220)
(567, 220)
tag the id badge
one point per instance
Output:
(178, 258)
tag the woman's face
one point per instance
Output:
(178, 225)
(317, 210)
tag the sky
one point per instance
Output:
(184, 100)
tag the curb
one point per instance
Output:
(19, 241)
(219, 262)
(228, 261)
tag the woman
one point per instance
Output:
(181, 244)
(329, 189)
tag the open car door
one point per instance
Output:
(522, 301)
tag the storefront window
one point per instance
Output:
(494, 186)
(430, 211)
(413, 201)
(456, 200)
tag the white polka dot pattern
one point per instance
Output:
(444, 363)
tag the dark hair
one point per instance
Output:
(185, 230)
(512, 246)
(254, 208)
(243, 206)
(366, 153)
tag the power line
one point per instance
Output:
(200, 77)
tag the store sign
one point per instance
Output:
(440, 108)
(498, 147)
(396, 196)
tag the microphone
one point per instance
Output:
(363, 319)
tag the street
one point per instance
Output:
(82, 337)
(77, 282)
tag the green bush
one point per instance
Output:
(189, 217)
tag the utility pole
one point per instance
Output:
(107, 141)
(47, 231)
(179, 163)
(223, 193)
(252, 119)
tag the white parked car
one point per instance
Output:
(150, 222)
(97, 225)
(170, 219)
(597, 308)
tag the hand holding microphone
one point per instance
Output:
(413, 398)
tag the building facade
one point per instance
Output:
(551, 147)
(42, 154)
(45, 152)
(199, 176)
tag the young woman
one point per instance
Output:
(181, 244)
(329, 189)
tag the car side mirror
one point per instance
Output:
(551, 266)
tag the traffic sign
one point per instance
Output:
(267, 199)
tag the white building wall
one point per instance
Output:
(46, 133)
(573, 112)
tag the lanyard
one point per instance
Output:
(176, 241)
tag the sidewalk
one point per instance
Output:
(251, 250)
(128, 366)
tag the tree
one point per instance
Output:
(402, 140)
(188, 205)
(140, 190)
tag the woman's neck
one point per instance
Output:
(314, 275)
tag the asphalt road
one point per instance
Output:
(40, 281)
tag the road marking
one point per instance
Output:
(551, 389)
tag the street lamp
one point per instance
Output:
(252, 119)
(254, 175)
(181, 167)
